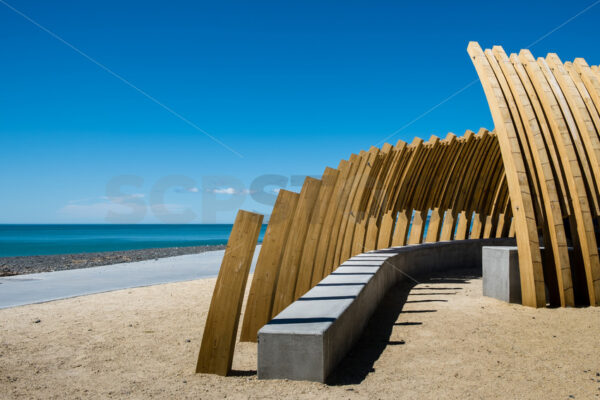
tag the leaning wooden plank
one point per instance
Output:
(329, 252)
(351, 217)
(431, 170)
(581, 217)
(290, 262)
(483, 141)
(468, 146)
(375, 191)
(530, 263)
(411, 176)
(525, 151)
(305, 271)
(378, 195)
(426, 180)
(326, 231)
(581, 116)
(557, 270)
(586, 166)
(554, 231)
(401, 214)
(384, 239)
(436, 203)
(504, 215)
(489, 231)
(266, 273)
(417, 227)
(489, 188)
(481, 191)
(585, 95)
(363, 209)
(369, 196)
(590, 79)
(220, 330)
(386, 219)
(403, 220)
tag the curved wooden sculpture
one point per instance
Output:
(536, 177)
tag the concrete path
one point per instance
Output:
(46, 286)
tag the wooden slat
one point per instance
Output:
(386, 219)
(590, 79)
(554, 231)
(220, 330)
(436, 203)
(290, 262)
(343, 246)
(353, 175)
(266, 273)
(568, 118)
(581, 218)
(585, 95)
(530, 264)
(463, 199)
(431, 164)
(328, 223)
(305, 270)
(468, 143)
(378, 195)
(404, 215)
(370, 194)
(481, 191)
(581, 116)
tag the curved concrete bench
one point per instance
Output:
(311, 336)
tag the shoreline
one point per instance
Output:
(21, 265)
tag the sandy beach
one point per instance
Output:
(439, 339)
(10, 266)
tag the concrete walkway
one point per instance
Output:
(46, 286)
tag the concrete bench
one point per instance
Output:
(310, 337)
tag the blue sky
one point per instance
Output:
(291, 87)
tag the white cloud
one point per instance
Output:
(229, 190)
(187, 190)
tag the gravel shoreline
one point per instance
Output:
(60, 262)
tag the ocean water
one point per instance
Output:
(28, 240)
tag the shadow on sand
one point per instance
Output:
(359, 361)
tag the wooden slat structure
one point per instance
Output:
(536, 177)
(220, 331)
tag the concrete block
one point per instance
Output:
(308, 339)
(501, 279)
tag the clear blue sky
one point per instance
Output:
(293, 88)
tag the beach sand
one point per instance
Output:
(446, 341)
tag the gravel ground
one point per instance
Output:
(59, 262)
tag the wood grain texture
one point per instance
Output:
(530, 263)
(290, 261)
(264, 281)
(220, 330)
(306, 268)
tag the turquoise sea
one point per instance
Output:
(28, 240)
